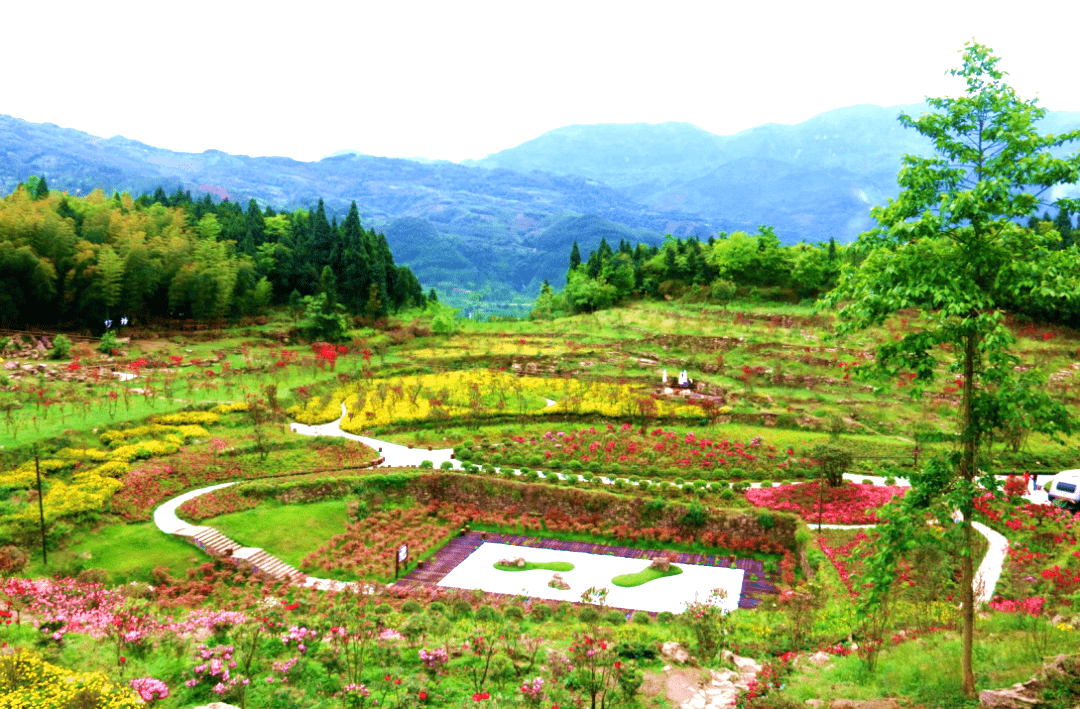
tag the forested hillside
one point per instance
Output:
(77, 261)
(756, 266)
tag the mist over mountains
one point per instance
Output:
(508, 221)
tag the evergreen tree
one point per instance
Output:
(383, 254)
(181, 198)
(160, 197)
(354, 264)
(575, 260)
(832, 249)
(254, 224)
(593, 265)
(269, 212)
(42, 190)
(433, 297)
(377, 297)
(320, 237)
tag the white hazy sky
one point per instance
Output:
(462, 79)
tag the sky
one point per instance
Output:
(463, 79)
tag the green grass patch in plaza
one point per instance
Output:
(289, 532)
(127, 552)
(644, 576)
(530, 566)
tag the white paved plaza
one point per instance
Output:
(671, 593)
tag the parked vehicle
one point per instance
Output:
(1064, 490)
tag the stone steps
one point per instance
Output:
(256, 560)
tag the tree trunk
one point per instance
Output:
(967, 472)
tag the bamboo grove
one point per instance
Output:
(75, 262)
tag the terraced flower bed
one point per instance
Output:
(850, 503)
(624, 449)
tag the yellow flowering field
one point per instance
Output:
(29, 681)
(461, 394)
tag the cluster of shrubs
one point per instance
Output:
(505, 455)
(539, 611)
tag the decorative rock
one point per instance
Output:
(819, 659)
(661, 563)
(1064, 668)
(674, 652)
(558, 582)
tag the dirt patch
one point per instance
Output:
(677, 685)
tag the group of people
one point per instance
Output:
(685, 382)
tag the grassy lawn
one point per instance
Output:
(529, 566)
(644, 576)
(128, 552)
(290, 533)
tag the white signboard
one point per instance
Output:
(403, 552)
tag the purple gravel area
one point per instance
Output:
(755, 582)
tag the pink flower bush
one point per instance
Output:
(150, 689)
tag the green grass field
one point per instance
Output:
(288, 532)
(128, 552)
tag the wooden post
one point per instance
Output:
(41, 506)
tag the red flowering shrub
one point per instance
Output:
(654, 452)
(848, 504)
(367, 547)
(212, 504)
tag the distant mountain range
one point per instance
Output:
(509, 219)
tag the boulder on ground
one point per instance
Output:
(557, 581)
(1064, 670)
(674, 652)
(519, 562)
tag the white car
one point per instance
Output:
(1064, 489)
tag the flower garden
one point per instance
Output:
(90, 633)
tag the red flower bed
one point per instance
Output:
(626, 446)
(212, 504)
(848, 504)
(1044, 549)
(367, 547)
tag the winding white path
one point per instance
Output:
(395, 455)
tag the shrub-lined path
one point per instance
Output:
(399, 456)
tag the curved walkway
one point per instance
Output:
(399, 456)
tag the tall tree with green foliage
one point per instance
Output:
(353, 267)
(955, 244)
(575, 260)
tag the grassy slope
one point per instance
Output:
(288, 532)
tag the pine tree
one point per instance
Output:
(42, 189)
(254, 224)
(387, 259)
(160, 197)
(575, 260)
(320, 237)
(377, 297)
(832, 249)
(353, 265)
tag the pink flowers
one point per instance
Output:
(1032, 606)
(150, 689)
